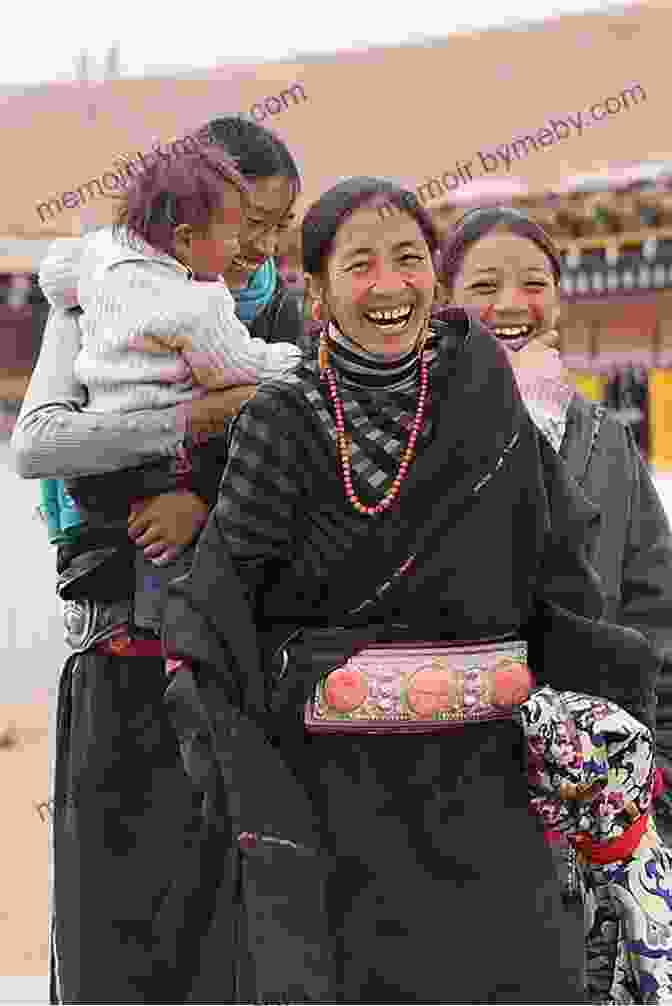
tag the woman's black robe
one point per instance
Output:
(414, 871)
(125, 813)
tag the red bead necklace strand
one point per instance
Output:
(344, 448)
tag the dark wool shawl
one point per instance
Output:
(500, 534)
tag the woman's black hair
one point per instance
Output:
(326, 215)
(477, 224)
(257, 151)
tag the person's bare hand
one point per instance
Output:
(168, 342)
(205, 367)
(538, 357)
(165, 525)
(551, 339)
(208, 416)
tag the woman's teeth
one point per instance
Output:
(398, 317)
(513, 331)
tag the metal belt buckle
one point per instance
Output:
(88, 623)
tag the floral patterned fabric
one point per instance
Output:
(591, 772)
(590, 764)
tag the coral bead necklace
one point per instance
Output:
(343, 445)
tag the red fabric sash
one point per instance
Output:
(124, 646)
(603, 853)
(659, 787)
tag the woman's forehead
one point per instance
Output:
(372, 227)
(501, 250)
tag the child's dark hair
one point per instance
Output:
(179, 189)
(326, 215)
(477, 224)
(258, 152)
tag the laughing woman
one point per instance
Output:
(501, 265)
(124, 810)
(394, 541)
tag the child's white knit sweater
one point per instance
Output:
(129, 292)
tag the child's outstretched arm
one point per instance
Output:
(198, 320)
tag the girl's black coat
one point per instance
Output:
(633, 550)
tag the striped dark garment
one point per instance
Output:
(268, 476)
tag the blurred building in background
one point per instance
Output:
(23, 315)
(614, 228)
(413, 112)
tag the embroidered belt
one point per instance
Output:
(420, 688)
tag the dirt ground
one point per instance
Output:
(24, 863)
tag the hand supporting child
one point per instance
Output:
(167, 524)
(208, 417)
(206, 369)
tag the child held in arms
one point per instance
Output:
(158, 329)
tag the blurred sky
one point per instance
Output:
(41, 40)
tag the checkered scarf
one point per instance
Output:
(379, 419)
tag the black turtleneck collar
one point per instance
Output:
(373, 371)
